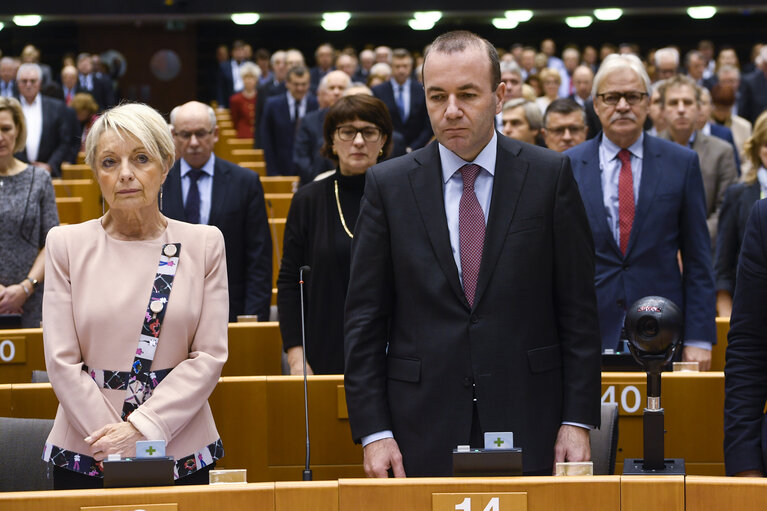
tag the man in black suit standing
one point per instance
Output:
(8, 78)
(272, 87)
(404, 98)
(471, 305)
(753, 89)
(201, 188)
(95, 84)
(280, 121)
(323, 60)
(51, 137)
(228, 80)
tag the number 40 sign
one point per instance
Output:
(507, 501)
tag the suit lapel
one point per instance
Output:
(426, 184)
(652, 172)
(218, 196)
(510, 174)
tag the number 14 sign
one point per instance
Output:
(509, 501)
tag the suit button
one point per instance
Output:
(468, 381)
(625, 267)
(621, 303)
(474, 318)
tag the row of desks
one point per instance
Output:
(598, 493)
(261, 421)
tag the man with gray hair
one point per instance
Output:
(666, 63)
(203, 189)
(309, 139)
(51, 138)
(645, 200)
(8, 87)
(522, 120)
(274, 87)
(511, 75)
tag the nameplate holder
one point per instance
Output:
(133, 507)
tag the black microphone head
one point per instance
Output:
(654, 325)
(305, 269)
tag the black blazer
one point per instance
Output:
(238, 210)
(745, 386)
(753, 95)
(738, 202)
(102, 91)
(224, 83)
(417, 130)
(277, 134)
(59, 140)
(417, 354)
(264, 92)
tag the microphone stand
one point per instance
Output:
(307, 474)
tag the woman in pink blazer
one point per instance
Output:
(135, 315)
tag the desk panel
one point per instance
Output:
(718, 493)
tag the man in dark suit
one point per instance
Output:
(323, 60)
(471, 303)
(201, 188)
(95, 84)
(744, 385)
(68, 83)
(228, 80)
(404, 98)
(279, 123)
(645, 201)
(51, 137)
(680, 98)
(753, 89)
(8, 86)
(273, 87)
(310, 138)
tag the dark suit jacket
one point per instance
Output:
(725, 133)
(277, 133)
(670, 216)
(744, 383)
(238, 210)
(265, 91)
(59, 140)
(417, 130)
(307, 159)
(415, 348)
(736, 207)
(101, 91)
(224, 83)
(753, 95)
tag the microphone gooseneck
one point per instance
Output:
(307, 474)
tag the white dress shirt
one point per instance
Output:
(33, 114)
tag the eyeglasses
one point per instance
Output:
(613, 98)
(560, 131)
(349, 133)
(25, 81)
(187, 135)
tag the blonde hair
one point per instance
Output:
(549, 72)
(137, 120)
(753, 145)
(13, 106)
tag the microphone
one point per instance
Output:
(307, 471)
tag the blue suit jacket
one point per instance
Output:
(745, 387)
(725, 133)
(277, 133)
(238, 210)
(670, 217)
(417, 130)
(753, 95)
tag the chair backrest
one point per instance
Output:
(604, 441)
(22, 442)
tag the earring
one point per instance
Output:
(102, 207)
(380, 152)
(160, 197)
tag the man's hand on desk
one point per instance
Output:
(573, 444)
(382, 455)
(699, 355)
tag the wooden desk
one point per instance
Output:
(69, 209)
(277, 228)
(88, 189)
(720, 348)
(279, 184)
(255, 349)
(543, 493)
(277, 204)
(76, 171)
(261, 420)
(718, 493)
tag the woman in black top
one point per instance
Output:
(319, 231)
(736, 206)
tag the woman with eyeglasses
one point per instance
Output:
(27, 213)
(319, 231)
